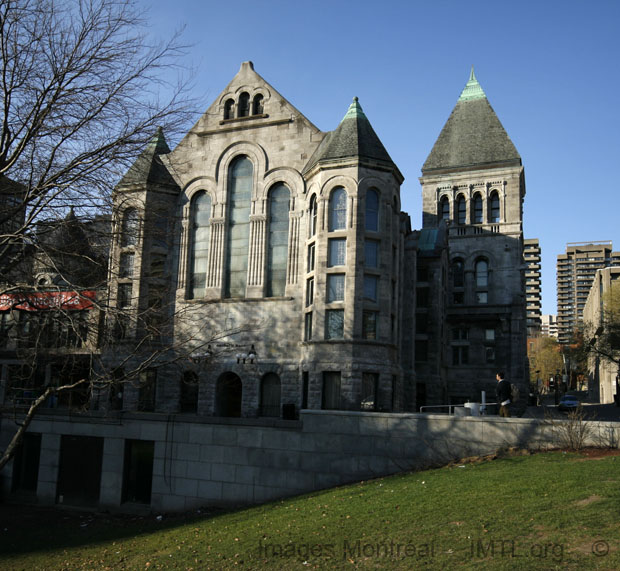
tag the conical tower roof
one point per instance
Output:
(473, 136)
(354, 137)
(148, 168)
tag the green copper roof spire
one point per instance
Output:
(472, 89)
(354, 111)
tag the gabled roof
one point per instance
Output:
(354, 137)
(148, 167)
(473, 135)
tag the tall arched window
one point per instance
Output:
(129, 227)
(229, 109)
(445, 208)
(313, 211)
(477, 217)
(240, 179)
(372, 210)
(482, 273)
(461, 209)
(199, 240)
(244, 105)
(270, 395)
(458, 273)
(494, 209)
(277, 240)
(337, 210)
(257, 105)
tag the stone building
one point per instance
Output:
(261, 235)
(473, 183)
(264, 267)
(602, 371)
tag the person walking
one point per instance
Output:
(503, 393)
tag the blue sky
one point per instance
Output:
(550, 70)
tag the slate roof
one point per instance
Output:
(354, 137)
(473, 135)
(148, 168)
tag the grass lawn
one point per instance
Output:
(546, 511)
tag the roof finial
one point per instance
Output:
(355, 110)
(472, 89)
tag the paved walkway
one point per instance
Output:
(593, 411)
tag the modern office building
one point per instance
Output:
(575, 273)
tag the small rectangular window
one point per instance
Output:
(311, 250)
(371, 284)
(331, 391)
(371, 254)
(490, 354)
(334, 324)
(335, 287)
(125, 269)
(370, 385)
(337, 252)
(460, 334)
(369, 325)
(423, 296)
(421, 323)
(308, 326)
(421, 351)
(124, 295)
(460, 354)
(489, 334)
(309, 291)
(482, 297)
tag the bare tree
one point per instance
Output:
(83, 90)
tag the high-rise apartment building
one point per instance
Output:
(575, 273)
(549, 326)
(533, 296)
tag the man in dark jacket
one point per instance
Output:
(503, 394)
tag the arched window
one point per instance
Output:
(257, 105)
(477, 217)
(337, 210)
(189, 392)
(229, 109)
(244, 105)
(199, 239)
(129, 227)
(458, 273)
(270, 395)
(461, 209)
(494, 209)
(372, 210)
(482, 273)
(445, 208)
(228, 393)
(240, 179)
(313, 215)
(277, 240)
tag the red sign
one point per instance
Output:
(47, 300)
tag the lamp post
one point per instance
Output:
(556, 386)
(249, 356)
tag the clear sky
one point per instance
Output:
(550, 69)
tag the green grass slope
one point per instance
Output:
(546, 511)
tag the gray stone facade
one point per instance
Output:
(264, 268)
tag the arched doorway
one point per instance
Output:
(228, 395)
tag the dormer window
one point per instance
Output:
(257, 105)
(244, 105)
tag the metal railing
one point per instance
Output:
(452, 407)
